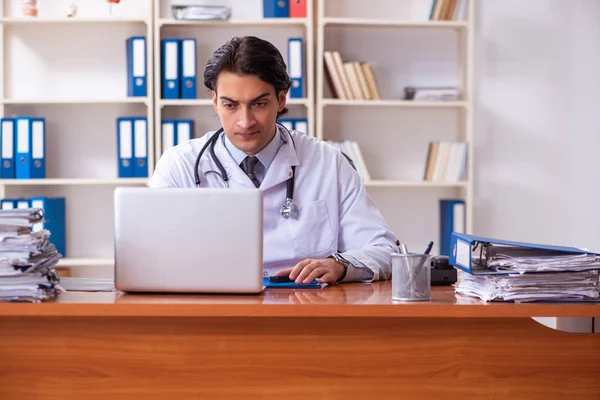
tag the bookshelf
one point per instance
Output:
(394, 133)
(72, 72)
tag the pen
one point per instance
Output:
(429, 246)
(401, 248)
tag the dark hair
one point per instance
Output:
(249, 55)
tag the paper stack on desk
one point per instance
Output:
(27, 258)
(500, 270)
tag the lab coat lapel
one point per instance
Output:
(280, 169)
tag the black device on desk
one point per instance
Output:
(280, 279)
(442, 273)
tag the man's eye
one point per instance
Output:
(229, 106)
(260, 105)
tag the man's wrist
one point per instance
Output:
(342, 261)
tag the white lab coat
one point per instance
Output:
(335, 211)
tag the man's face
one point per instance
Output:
(248, 109)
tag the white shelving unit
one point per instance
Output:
(404, 48)
(72, 72)
(246, 19)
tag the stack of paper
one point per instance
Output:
(26, 258)
(581, 285)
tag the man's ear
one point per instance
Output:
(282, 99)
(214, 99)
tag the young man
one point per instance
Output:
(337, 235)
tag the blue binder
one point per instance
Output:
(296, 68)
(125, 147)
(23, 134)
(276, 8)
(54, 220)
(467, 252)
(287, 122)
(22, 203)
(7, 148)
(188, 68)
(136, 67)
(38, 148)
(170, 69)
(184, 131)
(168, 134)
(296, 124)
(140, 142)
(452, 219)
(289, 285)
(8, 204)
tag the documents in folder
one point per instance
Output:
(502, 270)
(26, 258)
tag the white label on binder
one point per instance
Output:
(287, 124)
(295, 59)
(7, 139)
(23, 204)
(463, 253)
(23, 136)
(37, 139)
(171, 60)
(7, 205)
(37, 204)
(168, 136)
(139, 59)
(302, 126)
(140, 138)
(125, 140)
(459, 218)
(189, 58)
(183, 132)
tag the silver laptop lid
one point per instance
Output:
(189, 240)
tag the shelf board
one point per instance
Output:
(75, 20)
(73, 181)
(393, 103)
(85, 262)
(209, 102)
(391, 183)
(123, 100)
(394, 23)
(236, 22)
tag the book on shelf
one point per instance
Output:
(350, 80)
(446, 162)
(447, 10)
(431, 93)
(352, 150)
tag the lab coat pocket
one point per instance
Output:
(311, 233)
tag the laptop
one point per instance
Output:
(188, 240)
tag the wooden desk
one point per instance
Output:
(344, 342)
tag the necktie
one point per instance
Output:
(248, 167)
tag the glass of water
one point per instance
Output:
(411, 277)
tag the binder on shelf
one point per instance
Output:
(168, 132)
(38, 148)
(170, 69)
(276, 8)
(125, 147)
(7, 144)
(184, 131)
(23, 164)
(188, 68)
(452, 219)
(54, 220)
(136, 67)
(479, 255)
(140, 141)
(297, 8)
(8, 204)
(295, 68)
(22, 203)
(296, 124)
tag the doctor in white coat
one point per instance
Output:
(338, 235)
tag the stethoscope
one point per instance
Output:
(288, 209)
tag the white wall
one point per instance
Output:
(537, 82)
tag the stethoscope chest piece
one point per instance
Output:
(289, 209)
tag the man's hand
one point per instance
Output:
(306, 271)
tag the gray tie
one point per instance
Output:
(248, 167)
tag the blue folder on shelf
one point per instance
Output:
(289, 285)
(296, 68)
(23, 135)
(125, 147)
(188, 68)
(170, 69)
(276, 8)
(474, 254)
(7, 148)
(54, 220)
(140, 143)
(38, 148)
(136, 66)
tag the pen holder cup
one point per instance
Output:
(411, 277)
